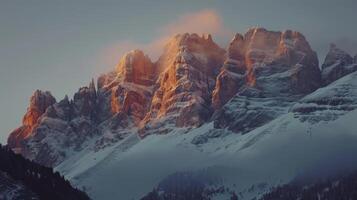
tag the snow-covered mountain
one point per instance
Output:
(254, 116)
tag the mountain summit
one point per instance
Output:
(198, 106)
(193, 79)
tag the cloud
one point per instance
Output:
(200, 22)
(204, 21)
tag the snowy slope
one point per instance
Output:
(275, 153)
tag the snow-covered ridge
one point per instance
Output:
(245, 111)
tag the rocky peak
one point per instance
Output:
(259, 54)
(273, 68)
(91, 88)
(39, 102)
(336, 55)
(62, 110)
(187, 46)
(137, 68)
(337, 63)
(128, 89)
(84, 101)
(189, 66)
(235, 51)
(289, 47)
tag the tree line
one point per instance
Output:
(43, 181)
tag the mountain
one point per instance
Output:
(263, 74)
(190, 64)
(23, 179)
(337, 63)
(307, 144)
(275, 63)
(254, 116)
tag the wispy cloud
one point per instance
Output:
(204, 21)
(200, 22)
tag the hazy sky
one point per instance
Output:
(60, 45)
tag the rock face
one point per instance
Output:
(265, 71)
(232, 75)
(137, 68)
(260, 76)
(39, 102)
(273, 62)
(337, 64)
(182, 95)
(130, 91)
(52, 131)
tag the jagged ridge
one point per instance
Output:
(194, 81)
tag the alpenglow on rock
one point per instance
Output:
(258, 78)
(39, 102)
(60, 127)
(274, 62)
(53, 131)
(182, 95)
(128, 90)
(264, 73)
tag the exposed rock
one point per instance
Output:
(84, 101)
(39, 102)
(190, 64)
(232, 75)
(258, 79)
(51, 129)
(264, 72)
(130, 91)
(137, 68)
(247, 111)
(336, 55)
(329, 102)
(337, 64)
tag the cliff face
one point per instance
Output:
(273, 62)
(39, 102)
(182, 95)
(260, 75)
(129, 90)
(337, 64)
(53, 131)
(264, 73)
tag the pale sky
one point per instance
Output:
(60, 45)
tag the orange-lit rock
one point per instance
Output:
(114, 102)
(189, 66)
(129, 88)
(271, 61)
(191, 80)
(39, 102)
(137, 68)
